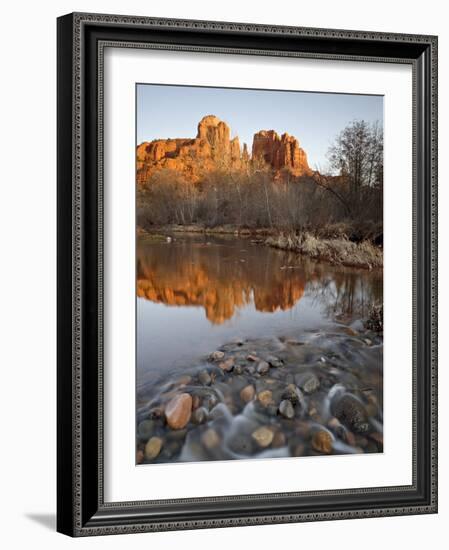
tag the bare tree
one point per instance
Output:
(357, 154)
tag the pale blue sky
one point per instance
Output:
(313, 118)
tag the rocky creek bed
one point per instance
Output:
(317, 394)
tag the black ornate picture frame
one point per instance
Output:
(81, 509)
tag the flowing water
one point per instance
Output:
(197, 294)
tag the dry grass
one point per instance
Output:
(339, 251)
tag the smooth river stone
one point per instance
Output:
(204, 378)
(153, 448)
(227, 365)
(286, 409)
(265, 397)
(216, 355)
(351, 412)
(263, 367)
(263, 436)
(322, 442)
(210, 439)
(247, 393)
(178, 411)
(309, 383)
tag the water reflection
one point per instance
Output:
(287, 376)
(223, 276)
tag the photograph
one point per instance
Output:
(259, 274)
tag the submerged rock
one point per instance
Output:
(286, 409)
(322, 442)
(199, 416)
(274, 361)
(227, 365)
(265, 397)
(263, 367)
(210, 439)
(145, 429)
(263, 436)
(351, 412)
(205, 378)
(309, 383)
(153, 448)
(178, 411)
(210, 400)
(216, 356)
(292, 393)
(279, 440)
(247, 393)
(238, 369)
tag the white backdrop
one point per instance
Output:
(28, 323)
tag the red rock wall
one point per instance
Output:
(214, 149)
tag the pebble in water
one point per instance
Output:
(322, 442)
(178, 411)
(216, 355)
(279, 440)
(238, 369)
(247, 393)
(196, 402)
(210, 439)
(309, 383)
(205, 378)
(263, 367)
(210, 401)
(265, 397)
(145, 429)
(153, 448)
(292, 393)
(351, 412)
(263, 436)
(274, 361)
(199, 416)
(227, 365)
(286, 409)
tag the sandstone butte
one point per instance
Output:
(214, 149)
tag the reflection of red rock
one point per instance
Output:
(213, 149)
(220, 285)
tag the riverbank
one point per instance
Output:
(337, 251)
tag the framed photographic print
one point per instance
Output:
(247, 281)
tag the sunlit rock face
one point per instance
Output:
(214, 149)
(280, 152)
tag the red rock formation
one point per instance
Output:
(214, 149)
(211, 149)
(280, 152)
